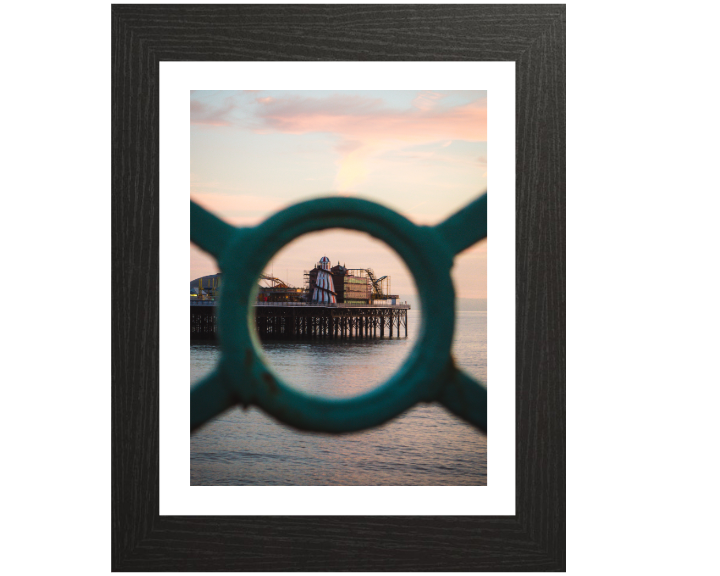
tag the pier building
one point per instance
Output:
(336, 302)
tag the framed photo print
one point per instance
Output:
(377, 278)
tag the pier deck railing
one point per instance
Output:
(428, 375)
(403, 306)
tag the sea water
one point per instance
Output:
(425, 446)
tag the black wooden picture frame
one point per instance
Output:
(533, 36)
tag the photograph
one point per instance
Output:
(336, 314)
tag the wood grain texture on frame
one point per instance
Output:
(533, 36)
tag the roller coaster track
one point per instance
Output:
(376, 284)
(276, 282)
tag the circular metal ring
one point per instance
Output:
(425, 253)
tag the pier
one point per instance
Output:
(335, 302)
(307, 320)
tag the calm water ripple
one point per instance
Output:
(425, 446)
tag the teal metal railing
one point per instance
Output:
(428, 375)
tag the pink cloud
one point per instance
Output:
(427, 100)
(367, 128)
(201, 113)
(358, 118)
(347, 146)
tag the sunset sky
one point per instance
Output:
(421, 153)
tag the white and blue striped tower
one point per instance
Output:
(324, 288)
